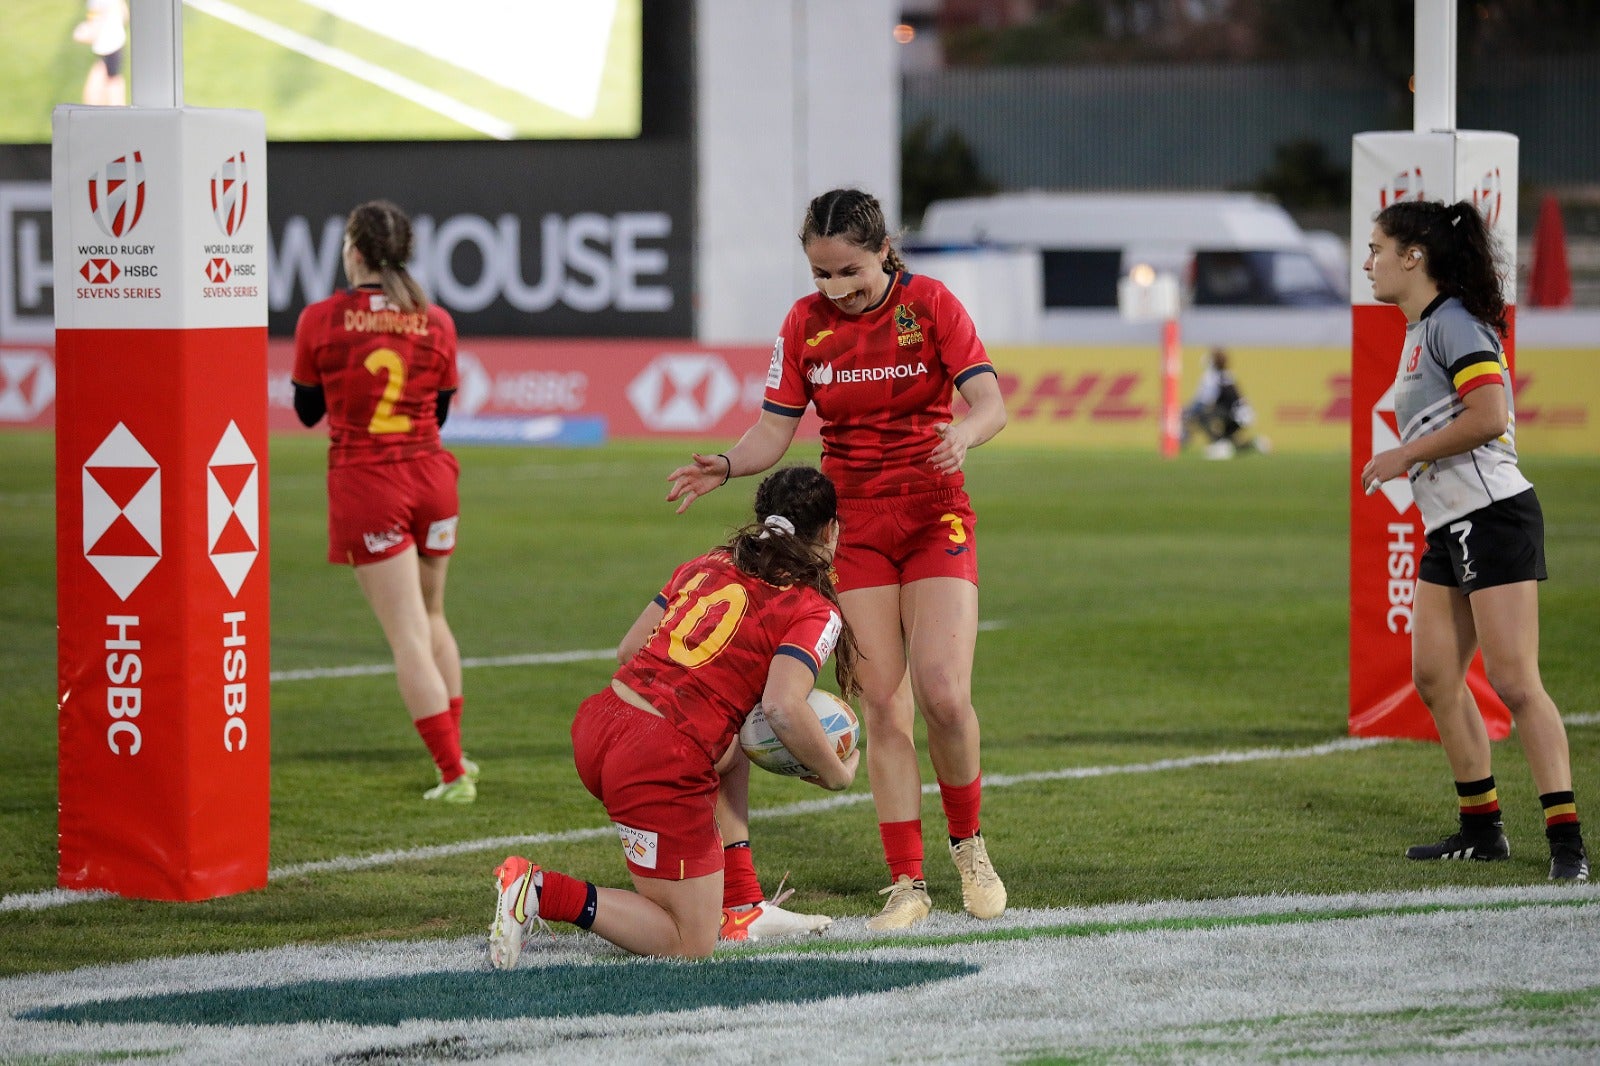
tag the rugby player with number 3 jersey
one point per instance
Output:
(880, 353)
(1478, 580)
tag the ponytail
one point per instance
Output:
(1460, 253)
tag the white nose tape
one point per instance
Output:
(836, 290)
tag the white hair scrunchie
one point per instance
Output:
(778, 522)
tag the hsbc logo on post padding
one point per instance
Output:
(233, 508)
(1386, 435)
(99, 271)
(122, 511)
(218, 270)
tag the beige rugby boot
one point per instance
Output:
(983, 894)
(908, 904)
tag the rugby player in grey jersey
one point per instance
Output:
(1477, 583)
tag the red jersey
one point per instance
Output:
(705, 665)
(880, 381)
(381, 371)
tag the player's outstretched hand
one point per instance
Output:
(951, 451)
(689, 483)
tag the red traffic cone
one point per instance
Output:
(1549, 278)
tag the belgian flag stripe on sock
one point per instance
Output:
(1559, 808)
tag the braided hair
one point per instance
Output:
(785, 545)
(853, 216)
(1460, 254)
(381, 232)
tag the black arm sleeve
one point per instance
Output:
(309, 403)
(441, 405)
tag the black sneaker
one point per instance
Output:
(1484, 847)
(1568, 861)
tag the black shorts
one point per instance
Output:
(1500, 544)
(113, 62)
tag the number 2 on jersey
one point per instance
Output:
(384, 420)
(695, 608)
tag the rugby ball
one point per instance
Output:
(763, 747)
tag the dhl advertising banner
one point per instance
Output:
(515, 389)
(161, 489)
(1386, 529)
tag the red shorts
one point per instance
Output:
(376, 509)
(900, 539)
(657, 785)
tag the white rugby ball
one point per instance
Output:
(763, 747)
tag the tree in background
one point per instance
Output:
(1302, 177)
(936, 168)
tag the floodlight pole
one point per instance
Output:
(1434, 64)
(155, 28)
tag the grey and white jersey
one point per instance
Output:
(1449, 353)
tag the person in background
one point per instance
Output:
(880, 353)
(1219, 411)
(105, 30)
(380, 362)
(1478, 579)
(753, 620)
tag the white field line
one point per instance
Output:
(346, 864)
(544, 658)
(357, 67)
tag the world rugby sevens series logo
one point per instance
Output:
(116, 195)
(1486, 197)
(230, 194)
(1406, 185)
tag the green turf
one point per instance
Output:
(303, 99)
(1145, 610)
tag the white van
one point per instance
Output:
(1230, 252)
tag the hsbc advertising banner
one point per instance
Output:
(579, 392)
(161, 476)
(1386, 531)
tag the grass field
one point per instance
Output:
(1142, 620)
(254, 54)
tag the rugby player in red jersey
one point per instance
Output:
(380, 362)
(880, 353)
(753, 620)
